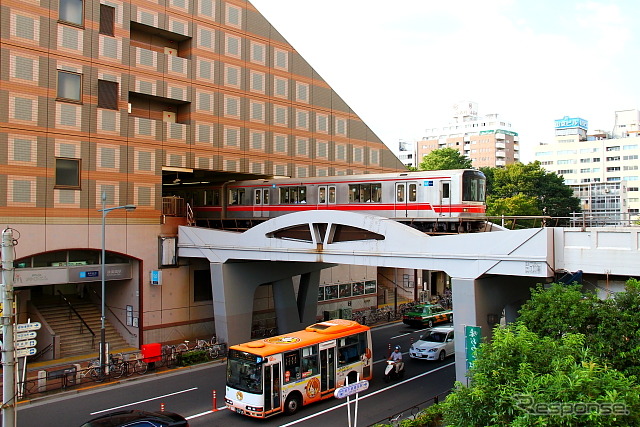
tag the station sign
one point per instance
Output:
(24, 352)
(26, 335)
(348, 390)
(24, 327)
(26, 344)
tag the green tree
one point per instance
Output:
(553, 197)
(552, 312)
(443, 159)
(617, 338)
(523, 379)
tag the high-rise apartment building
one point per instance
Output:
(487, 140)
(602, 167)
(107, 98)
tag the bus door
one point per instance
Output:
(260, 202)
(445, 198)
(406, 199)
(327, 367)
(272, 388)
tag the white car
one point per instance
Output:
(435, 344)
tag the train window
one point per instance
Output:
(413, 192)
(236, 196)
(445, 190)
(258, 200)
(376, 192)
(322, 195)
(293, 195)
(265, 196)
(364, 193)
(354, 194)
(399, 192)
(332, 194)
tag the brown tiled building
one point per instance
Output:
(108, 97)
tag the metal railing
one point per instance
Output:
(83, 322)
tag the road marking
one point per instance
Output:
(143, 401)
(408, 333)
(342, 404)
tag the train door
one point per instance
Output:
(323, 196)
(445, 198)
(327, 367)
(272, 389)
(260, 199)
(406, 199)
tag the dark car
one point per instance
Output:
(135, 418)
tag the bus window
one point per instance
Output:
(244, 373)
(348, 351)
(332, 194)
(309, 361)
(291, 366)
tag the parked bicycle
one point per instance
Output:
(93, 371)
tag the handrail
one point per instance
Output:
(114, 315)
(79, 317)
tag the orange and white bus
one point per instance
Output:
(282, 373)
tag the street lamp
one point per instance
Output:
(105, 211)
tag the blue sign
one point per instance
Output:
(156, 277)
(85, 274)
(571, 122)
(428, 183)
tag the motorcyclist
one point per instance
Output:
(396, 358)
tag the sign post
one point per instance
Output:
(348, 390)
(7, 319)
(472, 336)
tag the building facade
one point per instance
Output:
(602, 167)
(487, 140)
(119, 99)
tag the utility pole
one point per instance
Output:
(7, 317)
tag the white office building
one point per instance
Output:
(602, 167)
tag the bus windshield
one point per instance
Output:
(244, 372)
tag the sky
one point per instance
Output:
(401, 65)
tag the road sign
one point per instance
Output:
(23, 352)
(26, 344)
(350, 389)
(23, 327)
(26, 335)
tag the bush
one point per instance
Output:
(192, 357)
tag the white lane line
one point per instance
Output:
(343, 404)
(408, 333)
(367, 395)
(143, 401)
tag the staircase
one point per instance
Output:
(75, 339)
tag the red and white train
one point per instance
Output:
(429, 196)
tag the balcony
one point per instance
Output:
(500, 145)
(500, 154)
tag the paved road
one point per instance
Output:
(189, 391)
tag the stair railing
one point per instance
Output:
(72, 309)
(114, 315)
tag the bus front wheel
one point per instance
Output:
(292, 404)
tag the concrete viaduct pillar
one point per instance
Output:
(234, 285)
(476, 301)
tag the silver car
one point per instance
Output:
(435, 344)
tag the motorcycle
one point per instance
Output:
(390, 371)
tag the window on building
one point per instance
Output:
(107, 20)
(71, 11)
(67, 173)
(69, 85)
(107, 94)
